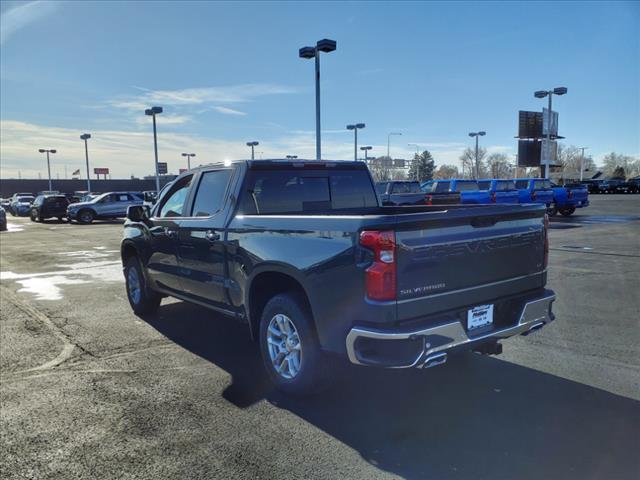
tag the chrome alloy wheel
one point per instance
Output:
(133, 284)
(284, 346)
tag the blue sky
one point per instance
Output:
(227, 73)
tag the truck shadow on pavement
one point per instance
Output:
(475, 417)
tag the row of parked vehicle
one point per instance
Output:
(81, 207)
(558, 199)
(613, 186)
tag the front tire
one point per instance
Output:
(552, 211)
(290, 349)
(142, 299)
(86, 216)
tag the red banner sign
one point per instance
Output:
(101, 171)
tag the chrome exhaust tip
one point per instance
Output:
(434, 360)
(533, 328)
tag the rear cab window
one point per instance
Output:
(541, 184)
(505, 185)
(468, 186)
(439, 187)
(522, 184)
(304, 190)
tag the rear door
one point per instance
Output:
(163, 266)
(201, 239)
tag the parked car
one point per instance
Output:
(535, 190)
(614, 186)
(106, 206)
(594, 186)
(568, 197)
(304, 255)
(49, 206)
(467, 191)
(395, 193)
(3, 219)
(5, 202)
(633, 185)
(20, 205)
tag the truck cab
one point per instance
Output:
(500, 191)
(535, 190)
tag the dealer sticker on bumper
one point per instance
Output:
(480, 316)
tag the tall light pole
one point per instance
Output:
(389, 142)
(366, 149)
(477, 134)
(550, 94)
(326, 46)
(42, 150)
(153, 111)
(252, 145)
(189, 155)
(85, 137)
(582, 161)
(355, 127)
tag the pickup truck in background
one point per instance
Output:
(302, 252)
(568, 197)
(396, 193)
(466, 191)
(501, 191)
(535, 190)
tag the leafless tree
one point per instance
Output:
(499, 166)
(468, 159)
(446, 172)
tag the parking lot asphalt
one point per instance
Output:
(89, 390)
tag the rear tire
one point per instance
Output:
(290, 349)
(567, 212)
(142, 299)
(34, 216)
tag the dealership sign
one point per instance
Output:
(101, 171)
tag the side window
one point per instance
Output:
(484, 185)
(173, 203)
(210, 194)
(441, 187)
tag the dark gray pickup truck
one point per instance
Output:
(302, 252)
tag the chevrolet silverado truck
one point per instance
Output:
(501, 191)
(302, 252)
(466, 190)
(536, 190)
(569, 197)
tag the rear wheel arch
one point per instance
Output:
(264, 286)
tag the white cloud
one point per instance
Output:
(199, 96)
(167, 119)
(228, 111)
(22, 15)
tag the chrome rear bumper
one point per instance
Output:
(535, 314)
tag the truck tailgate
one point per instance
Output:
(469, 256)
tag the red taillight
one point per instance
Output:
(428, 199)
(570, 194)
(533, 195)
(546, 240)
(380, 277)
(493, 197)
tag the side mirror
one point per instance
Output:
(138, 213)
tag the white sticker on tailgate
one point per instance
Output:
(479, 316)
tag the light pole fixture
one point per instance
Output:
(550, 94)
(42, 150)
(389, 142)
(355, 127)
(252, 145)
(582, 161)
(189, 155)
(326, 46)
(366, 151)
(85, 137)
(152, 112)
(292, 157)
(477, 134)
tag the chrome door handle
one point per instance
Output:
(212, 236)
